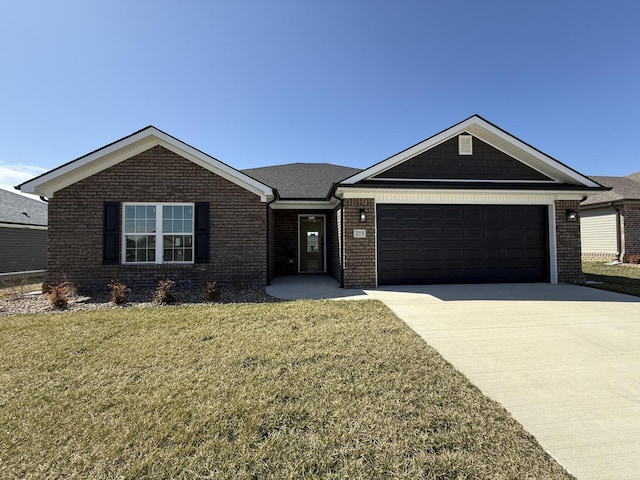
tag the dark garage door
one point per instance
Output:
(422, 244)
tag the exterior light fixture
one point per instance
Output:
(572, 216)
(363, 215)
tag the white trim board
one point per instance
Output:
(47, 184)
(494, 136)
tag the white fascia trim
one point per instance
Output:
(304, 205)
(49, 183)
(399, 157)
(23, 226)
(221, 169)
(459, 196)
(468, 125)
(459, 180)
(479, 122)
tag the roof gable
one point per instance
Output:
(444, 162)
(50, 182)
(432, 159)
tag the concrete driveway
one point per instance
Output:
(564, 360)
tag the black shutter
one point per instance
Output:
(202, 232)
(111, 233)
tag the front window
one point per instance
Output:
(158, 233)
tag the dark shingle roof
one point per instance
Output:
(22, 210)
(302, 180)
(623, 188)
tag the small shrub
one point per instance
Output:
(211, 291)
(59, 294)
(634, 259)
(164, 292)
(119, 292)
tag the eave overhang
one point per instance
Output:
(494, 136)
(49, 183)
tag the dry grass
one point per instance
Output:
(16, 286)
(623, 278)
(273, 391)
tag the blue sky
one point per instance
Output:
(256, 83)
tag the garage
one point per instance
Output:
(439, 244)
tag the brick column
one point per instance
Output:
(630, 231)
(359, 253)
(568, 243)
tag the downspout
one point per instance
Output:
(618, 232)
(340, 201)
(268, 208)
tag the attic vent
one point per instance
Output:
(465, 145)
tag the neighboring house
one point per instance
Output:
(610, 221)
(23, 233)
(469, 204)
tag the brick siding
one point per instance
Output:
(237, 243)
(568, 243)
(630, 231)
(359, 253)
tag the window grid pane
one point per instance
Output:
(178, 248)
(141, 231)
(141, 248)
(140, 220)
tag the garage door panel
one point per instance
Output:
(410, 234)
(467, 244)
(431, 233)
(389, 234)
(453, 233)
(473, 233)
(431, 213)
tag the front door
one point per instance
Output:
(311, 244)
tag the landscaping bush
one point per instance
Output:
(59, 294)
(211, 291)
(165, 292)
(634, 259)
(119, 292)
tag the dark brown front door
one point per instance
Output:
(311, 244)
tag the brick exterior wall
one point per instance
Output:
(568, 243)
(630, 231)
(237, 244)
(359, 253)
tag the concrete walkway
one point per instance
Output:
(564, 360)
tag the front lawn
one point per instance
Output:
(308, 389)
(623, 278)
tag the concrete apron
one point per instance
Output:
(564, 360)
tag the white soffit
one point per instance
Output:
(495, 137)
(49, 183)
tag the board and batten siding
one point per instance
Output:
(598, 233)
(22, 249)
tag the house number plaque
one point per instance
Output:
(359, 233)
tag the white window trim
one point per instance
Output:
(159, 233)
